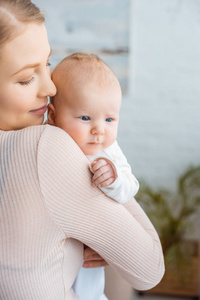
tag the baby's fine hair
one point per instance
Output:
(82, 64)
(90, 62)
(13, 14)
(83, 56)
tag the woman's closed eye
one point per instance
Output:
(26, 82)
(85, 118)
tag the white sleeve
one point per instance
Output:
(126, 185)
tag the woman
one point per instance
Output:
(48, 207)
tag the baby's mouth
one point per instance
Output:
(95, 143)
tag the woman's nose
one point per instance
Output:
(47, 87)
(52, 89)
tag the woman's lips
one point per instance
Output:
(40, 111)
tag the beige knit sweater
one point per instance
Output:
(48, 208)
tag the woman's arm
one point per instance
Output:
(85, 213)
(94, 260)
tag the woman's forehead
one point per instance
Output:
(29, 47)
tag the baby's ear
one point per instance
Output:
(51, 114)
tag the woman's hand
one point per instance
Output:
(92, 259)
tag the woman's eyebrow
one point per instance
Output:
(31, 66)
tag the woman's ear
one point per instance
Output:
(51, 114)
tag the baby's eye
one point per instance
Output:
(48, 64)
(108, 119)
(85, 118)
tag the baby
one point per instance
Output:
(87, 106)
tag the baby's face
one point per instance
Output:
(89, 113)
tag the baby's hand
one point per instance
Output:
(104, 173)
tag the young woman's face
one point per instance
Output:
(25, 79)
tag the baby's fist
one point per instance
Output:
(104, 172)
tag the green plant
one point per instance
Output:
(174, 216)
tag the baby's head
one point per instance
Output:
(87, 102)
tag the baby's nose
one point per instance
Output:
(98, 130)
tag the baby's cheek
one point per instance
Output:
(79, 138)
(110, 139)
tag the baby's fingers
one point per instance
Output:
(107, 182)
(102, 171)
(98, 164)
(104, 179)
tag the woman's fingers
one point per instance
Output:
(95, 264)
(90, 254)
(92, 259)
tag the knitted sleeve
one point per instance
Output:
(84, 213)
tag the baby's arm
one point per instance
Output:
(114, 177)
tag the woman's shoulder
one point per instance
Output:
(55, 140)
(52, 133)
(32, 136)
(40, 139)
(40, 129)
(33, 132)
(47, 136)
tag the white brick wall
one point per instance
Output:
(165, 89)
(160, 116)
(98, 26)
